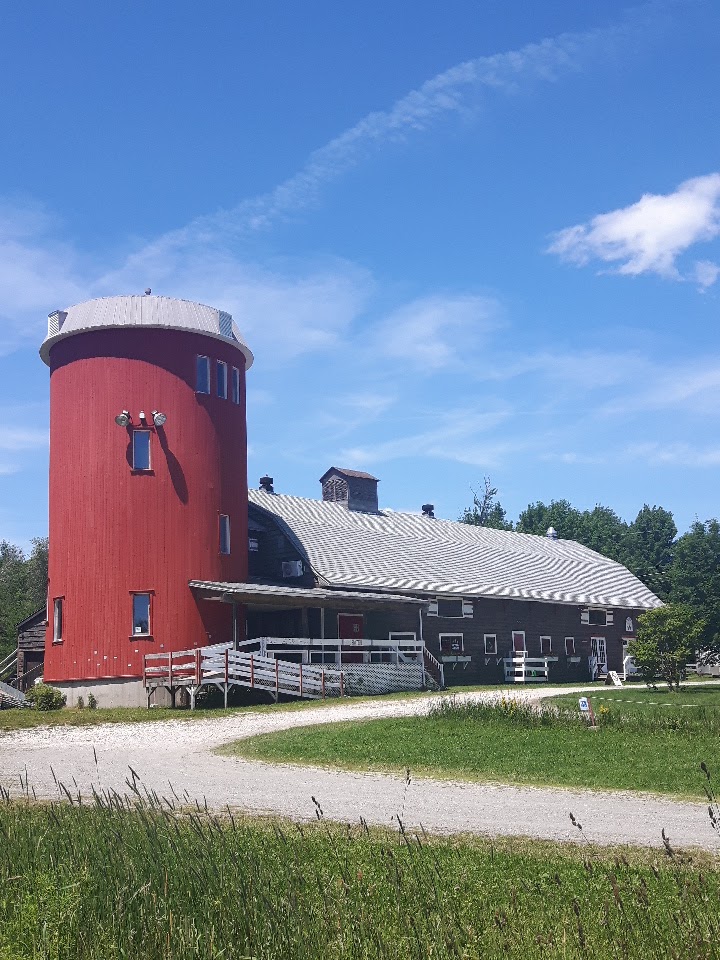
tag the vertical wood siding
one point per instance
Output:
(114, 531)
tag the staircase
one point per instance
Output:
(8, 667)
(10, 697)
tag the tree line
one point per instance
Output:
(23, 587)
(678, 569)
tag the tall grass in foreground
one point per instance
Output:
(144, 878)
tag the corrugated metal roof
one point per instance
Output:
(143, 311)
(406, 552)
(257, 593)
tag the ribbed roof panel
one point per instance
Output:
(143, 311)
(407, 552)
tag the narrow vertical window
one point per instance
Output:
(141, 449)
(222, 379)
(224, 533)
(202, 376)
(235, 385)
(141, 614)
(57, 619)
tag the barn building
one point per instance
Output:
(166, 573)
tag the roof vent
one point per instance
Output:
(266, 484)
(55, 322)
(428, 510)
(551, 533)
(148, 291)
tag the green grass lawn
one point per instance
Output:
(473, 742)
(687, 702)
(112, 879)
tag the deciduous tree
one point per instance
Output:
(667, 638)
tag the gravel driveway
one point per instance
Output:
(178, 753)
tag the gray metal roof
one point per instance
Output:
(406, 552)
(143, 311)
(257, 594)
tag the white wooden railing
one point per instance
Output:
(523, 669)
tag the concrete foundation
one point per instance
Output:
(115, 692)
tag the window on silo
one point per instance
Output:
(222, 379)
(141, 449)
(224, 533)
(57, 619)
(235, 385)
(141, 614)
(202, 375)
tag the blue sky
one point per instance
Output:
(462, 239)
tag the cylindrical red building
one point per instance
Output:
(148, 486)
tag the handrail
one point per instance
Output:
(9, 661)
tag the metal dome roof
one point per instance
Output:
(143, 311)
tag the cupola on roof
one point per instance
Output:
(146, 311)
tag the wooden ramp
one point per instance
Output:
(223, 667)
(11, 697)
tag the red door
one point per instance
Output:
(518, 641)
(350, 627)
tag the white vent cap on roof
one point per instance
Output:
(551, 533)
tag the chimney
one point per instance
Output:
(428, 510)
(551, 533)
(353, 489)
(266, 484)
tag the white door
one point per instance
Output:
(598, 649)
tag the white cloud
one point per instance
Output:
(650, 235)
(673, 454)
(22, 438)
(706, 273)
(432, 332)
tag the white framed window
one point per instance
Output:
(452, 608)
(451, 643)
(224, 533)
(518, 641)
(253, 544)
(235, 385)
(221, 371)
(141, 449)
(490, 643)
(58, 603)
(202, 374)
(596, 617)
(141, 607)
(569, 646)
(545, 645)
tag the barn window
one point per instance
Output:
(141, 449)
(235, 385)
(449, 607)
(490, 643)
(58, 619)
(141, 614)
(202, 375)
(597, 617)
(545, 645)
(253, 544)
(224, 533)
(222, 379)
(569, 646)
(451, 643)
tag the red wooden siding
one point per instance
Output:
(114, 531)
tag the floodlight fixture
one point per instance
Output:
(123, 419)
(159, 418)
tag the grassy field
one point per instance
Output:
(511, 743)
(691, 701)
(118, 878)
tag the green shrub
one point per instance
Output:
(80, 703)
(92, 701)
(43, 697)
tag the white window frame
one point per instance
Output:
(545, 636)
(253, 545)
(224, 535)
(490, 652)
(206, 364)
(466, 608)
(450, 653)
(58, 619)
(235, 382)
(512, 641)
(221, 379)
(395, 636)
(585, 616)
(142, 633)
(570, 653)
(135, 432)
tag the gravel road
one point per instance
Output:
(179, 753)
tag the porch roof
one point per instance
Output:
(272, 596)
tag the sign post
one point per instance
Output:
(587, 710)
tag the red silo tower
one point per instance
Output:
(148, 486)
